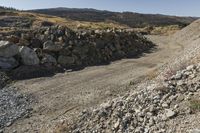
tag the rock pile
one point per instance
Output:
(146, 111)
(57, 45)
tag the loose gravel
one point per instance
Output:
(13, 106)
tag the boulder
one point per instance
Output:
(8, 63)
(48, 59)
(29, 56)
(8, 49)
(50, 46)
(36, 43)
(66, 60)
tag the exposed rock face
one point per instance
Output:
(8, 63)
(8, 49)
(29, 57)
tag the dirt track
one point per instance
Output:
(62, 95)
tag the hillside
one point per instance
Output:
(12, 20)
(134, 20)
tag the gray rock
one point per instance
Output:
(116, 125)
(48, 59)
(195, 131)
(106, 105)
(178, 76)
(191, 67)
(50, 46)
(169, 113)
(29, 57)
(66, 60)
(8, 63)
(8, 49)
(165, 105)
(8, 124)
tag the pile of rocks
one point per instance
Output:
(145, 111)
(9, 52)
(58, 45)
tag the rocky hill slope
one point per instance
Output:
(134, 20)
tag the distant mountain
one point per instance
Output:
(134, 20)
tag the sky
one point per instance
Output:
(168, 7)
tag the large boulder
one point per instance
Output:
(51, 46)
(8, 49)
(48, 59)
(29, 57)
(8, 63)
(66, 60)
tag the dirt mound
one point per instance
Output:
(188, 34)
(189, 39)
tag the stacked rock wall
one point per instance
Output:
(59, 45)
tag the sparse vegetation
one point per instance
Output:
(195, 105)
(152, 74)
(133, 20)
(36, 20)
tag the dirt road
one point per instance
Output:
(62, 95)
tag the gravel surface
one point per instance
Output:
(3, 79)
(13, 106)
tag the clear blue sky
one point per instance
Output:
(170, 7)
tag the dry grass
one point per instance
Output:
(39, 18)
(159, 30)
(152, 74)
(195, 105)
(165, 30)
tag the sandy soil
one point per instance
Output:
(63, 95)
